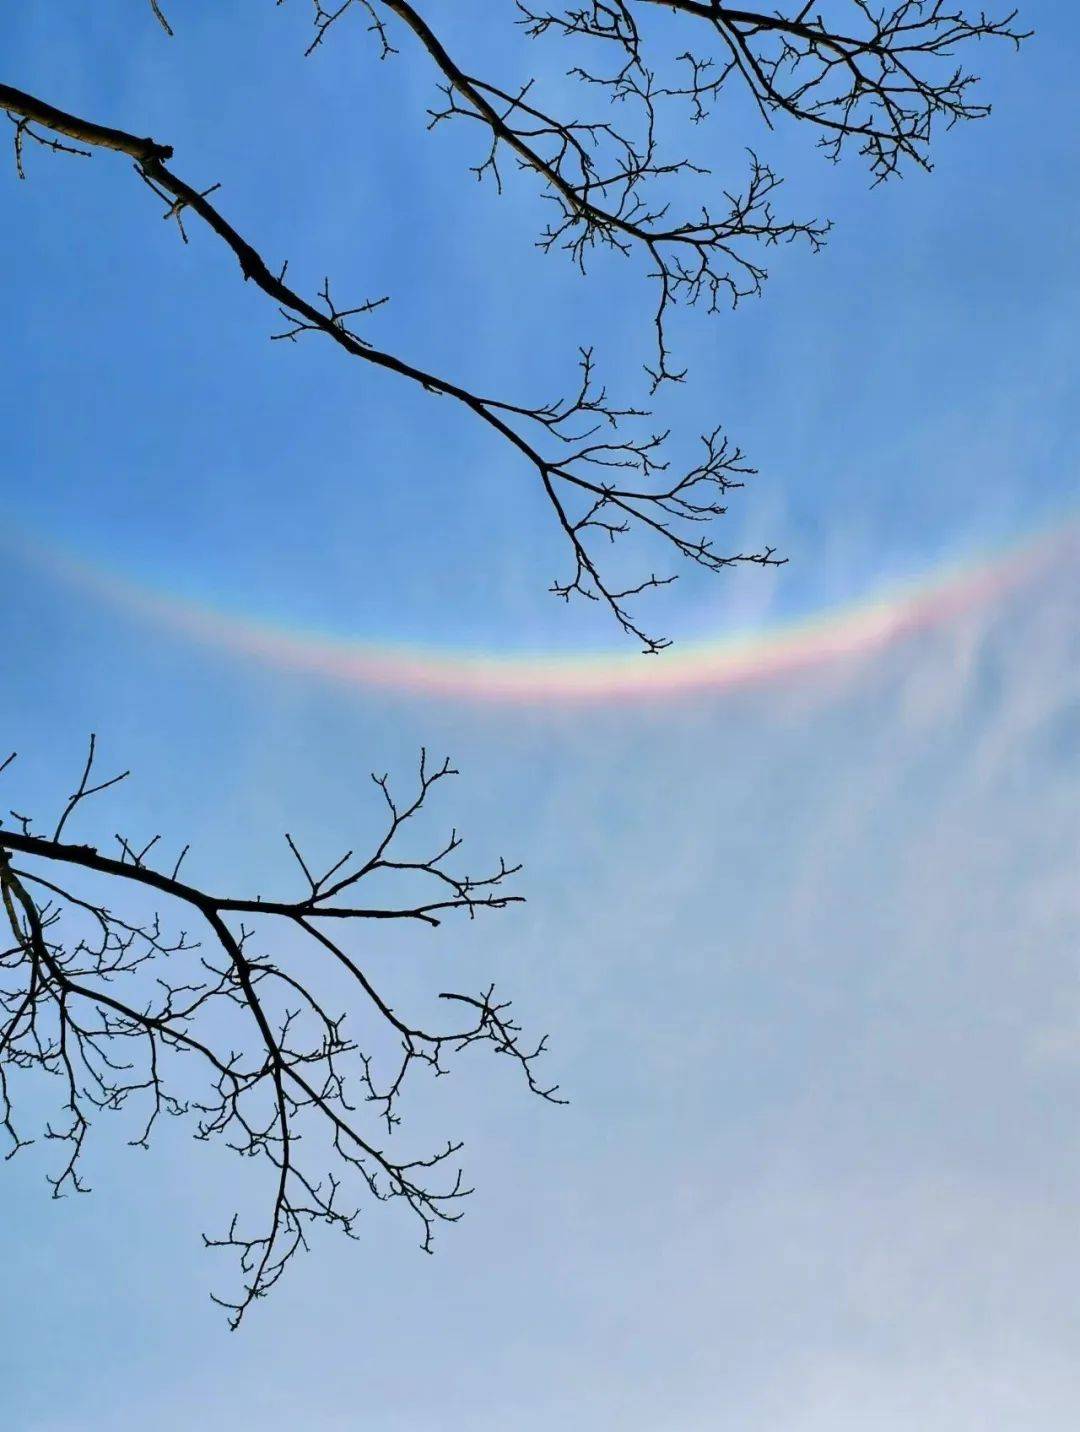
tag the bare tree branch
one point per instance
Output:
(245, 1045)
(234, 1031)
(599, 482)
(879, 78)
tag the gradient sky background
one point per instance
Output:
(807, 952)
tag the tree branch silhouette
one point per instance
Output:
(880, 80)
(248, 1046)
(599, 482)
(245, 1045)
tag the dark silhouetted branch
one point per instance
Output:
(245, 1044)
(599, 482)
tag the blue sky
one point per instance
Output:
(806, 954)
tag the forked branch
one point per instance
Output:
(599, 481)
(245, 1042)
(880, 78)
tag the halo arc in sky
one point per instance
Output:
(723, 663)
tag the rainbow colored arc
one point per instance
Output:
(724, 663)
